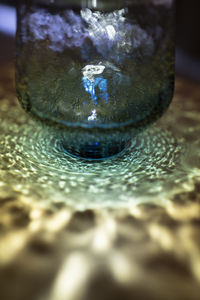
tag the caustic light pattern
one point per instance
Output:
(160, 161)
(86, 225)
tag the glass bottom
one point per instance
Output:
(96, 151)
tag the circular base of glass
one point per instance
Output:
(95, 151)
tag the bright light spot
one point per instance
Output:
(101, 240)
(136, 212)
(90, 71)
(110, 226)
(104, 235)
(59, 221)
(35, 225)
(111, 32)
(121, 267)
(71, 278)
(93, 115)
(35, 214)
(94, 3)
(184, 212)
(11, 245)
(7, 20)
(162, 235)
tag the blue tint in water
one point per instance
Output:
(103, 86)
(100, 83)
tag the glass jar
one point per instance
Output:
(100, 71)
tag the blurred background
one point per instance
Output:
(187, 35)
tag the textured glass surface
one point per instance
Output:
(101, 72)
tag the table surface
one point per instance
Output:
(122, 229)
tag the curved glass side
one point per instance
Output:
(99, 75)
